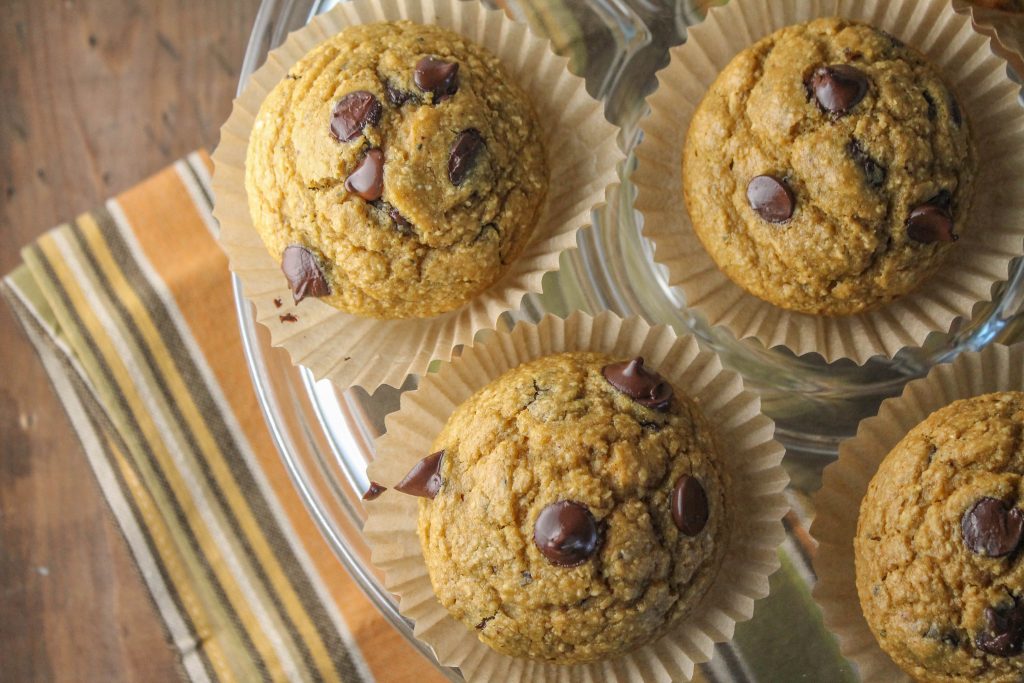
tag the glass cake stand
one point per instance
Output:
(325, 433)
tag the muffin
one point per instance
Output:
(396, 172)
(937, 549)
(574, 508)
(829, 168)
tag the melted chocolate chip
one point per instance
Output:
(992, 527)
(288, 318)
(933, 111)
(838, 88)
(566, 533)
(689, 505)
(403, 225)
(954, 110)
(373, 493)
(367, 180)
(303, 272)
(436, 76)
(424, 479)
(352, 113)
(463, 154)
(771, 198)
(1004, 630)
(874, 173)
(931, 222)
(644, 386)
(396, 96)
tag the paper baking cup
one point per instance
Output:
(748, 451)
(348, 349)
(993, 236)
(1005, 28)
(845, 482)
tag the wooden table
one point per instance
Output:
(94, 96)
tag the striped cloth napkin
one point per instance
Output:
(130, 309)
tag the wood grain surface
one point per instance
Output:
(94, 96)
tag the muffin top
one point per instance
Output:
(939, 570)
(396, 172)
(579, 508)
(828, 169)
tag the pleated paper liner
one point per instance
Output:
(1005, 28)
(351, 350)
(845, 482)
(750, 455)
(994, 235)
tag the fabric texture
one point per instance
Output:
(131, 311)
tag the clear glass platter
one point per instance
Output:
(325, 434)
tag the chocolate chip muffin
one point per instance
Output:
(574, 509)
(939, 569)
(829, 168)
(396, 172)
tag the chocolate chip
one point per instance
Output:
(288, 318)
(352, 113)
(403, 225)
(896, 42)
(689, 505)
(373, 493)
(874, 173)
(650, 426)
(303, 272)
(838, 87)
(992, 527)
(932, 109)
(931, 222)
(644, 386)
(943, 635)
(1004, 630)
(943, 200)
(771, 198)
(423, 480)
(437, 76)
(396, 96)
(566, 533)
(367, 180)
(487, 229)
(954, 110)
(463, 154)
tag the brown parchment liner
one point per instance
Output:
(749, 453)
(845, 482)
(995, 230)
(351, 350)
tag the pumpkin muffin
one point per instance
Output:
(939, 571)
(396, 172)
(829, 169)
(575, 508)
